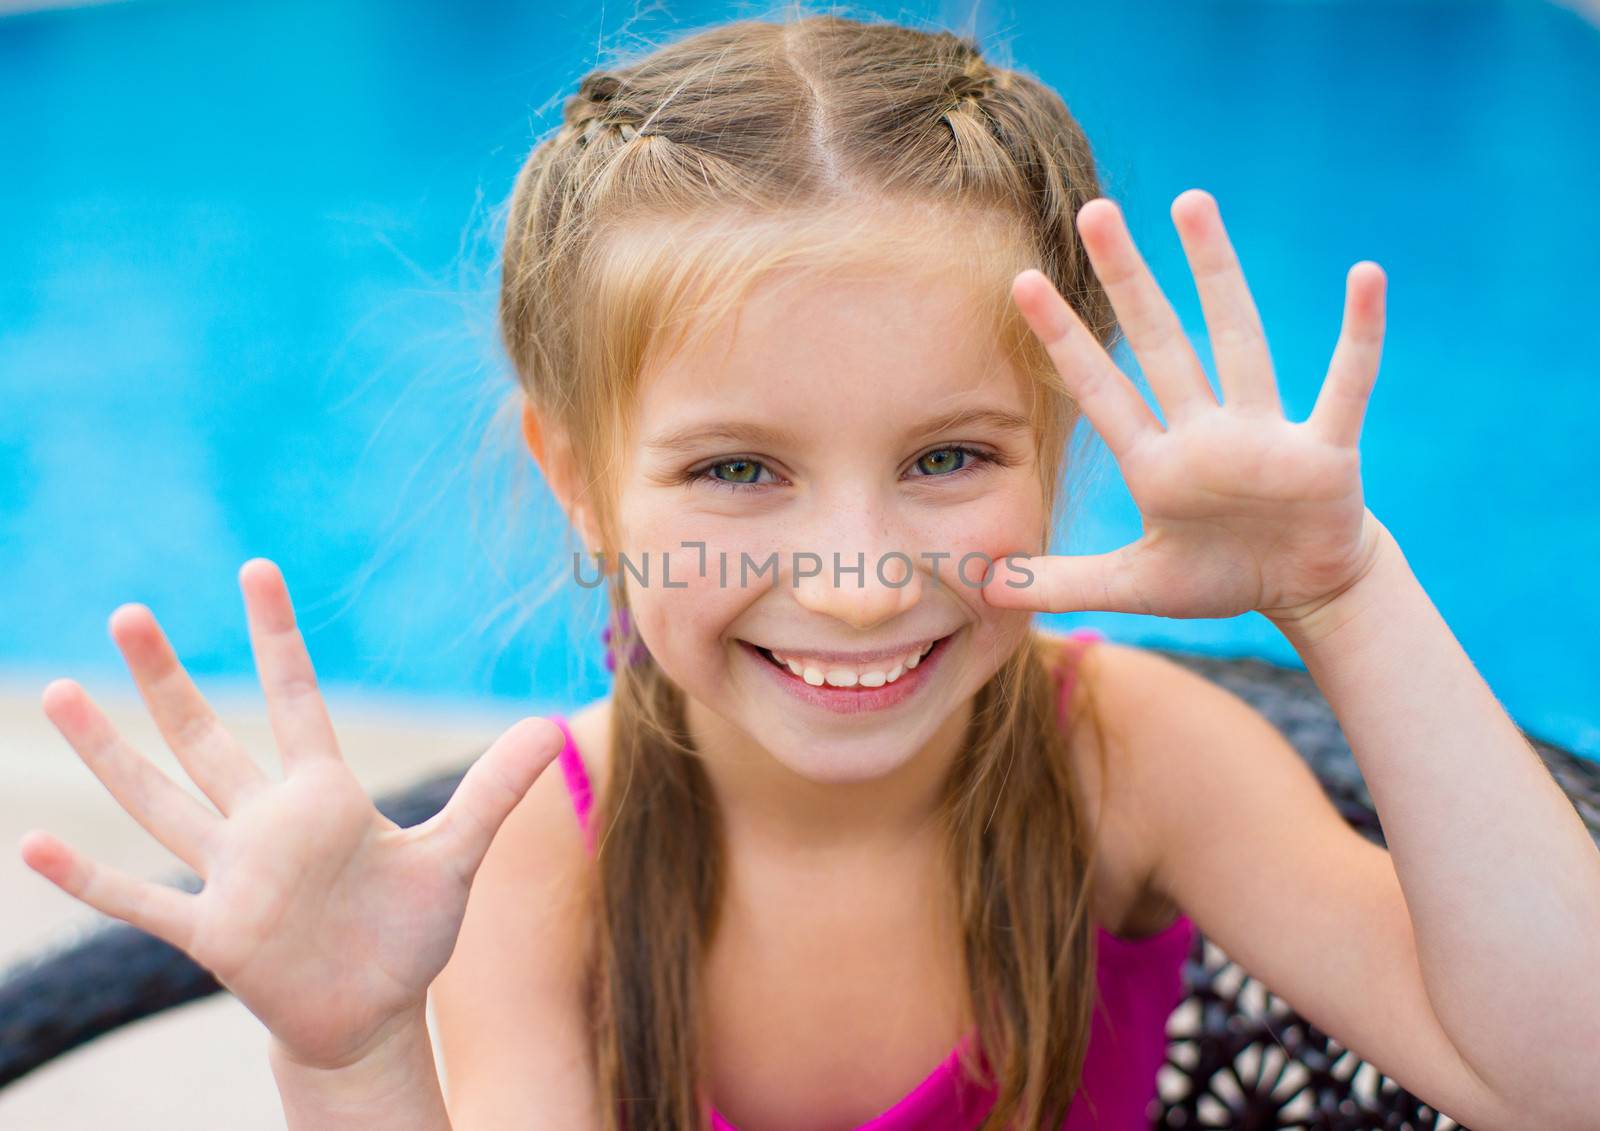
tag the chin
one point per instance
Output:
(844, 762)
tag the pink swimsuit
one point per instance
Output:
(1140, 983)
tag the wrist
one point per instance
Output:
(392, 1037)
(392, 1082)
(1314, 622)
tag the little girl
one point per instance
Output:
(803, 315)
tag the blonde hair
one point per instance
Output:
(750, 153)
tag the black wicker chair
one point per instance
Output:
(1238, 1056)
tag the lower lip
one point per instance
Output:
(851, 700)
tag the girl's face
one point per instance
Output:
(831, 422)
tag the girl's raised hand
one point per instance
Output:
(1242, 509)
(325, 918)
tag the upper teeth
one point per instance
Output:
(875, 673)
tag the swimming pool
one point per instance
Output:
(245, 309)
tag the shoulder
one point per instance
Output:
(1150, 739)
(1246, 842)
(510, 997)
(1172, 731)
(1188, 763)
(1150, 712)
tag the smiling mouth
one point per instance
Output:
(844, 677)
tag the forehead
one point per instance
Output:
(837, 357)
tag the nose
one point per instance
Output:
(866, 589)
(853, 571)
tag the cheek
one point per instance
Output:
(679, 611)
(1004, 523)
(663, 522)
(693, 588)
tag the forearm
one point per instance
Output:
(1500, 876)
(394, 1089)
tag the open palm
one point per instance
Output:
(325, 918)
(1242, 509)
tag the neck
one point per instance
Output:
(764, 800)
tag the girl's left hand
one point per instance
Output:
(1242, 509)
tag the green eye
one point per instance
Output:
(941, 461)
(737, 474)
(740, 471)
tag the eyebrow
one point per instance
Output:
(690, 437)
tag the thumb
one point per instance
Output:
(1061, 583)
(493, 786)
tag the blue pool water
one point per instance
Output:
(246, 309)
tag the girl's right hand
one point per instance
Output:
(325, 918)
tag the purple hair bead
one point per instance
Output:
(612, 639)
